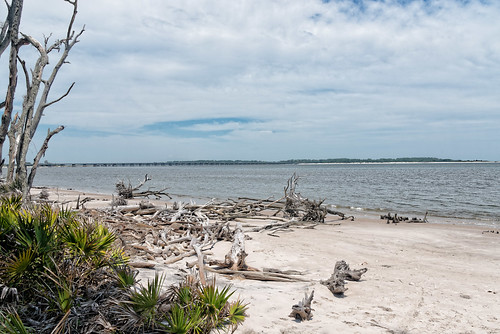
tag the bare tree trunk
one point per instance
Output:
(12, 35)
(22, 129)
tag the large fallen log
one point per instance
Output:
(257, 275)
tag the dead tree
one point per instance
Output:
(9, 35)
(22, 128)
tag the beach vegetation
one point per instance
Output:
(62, 273)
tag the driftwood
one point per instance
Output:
(129, 191)
(298, 206)
(235, 259)
(398, 219)
(167, 234)
(342, 272)
(338, 213)
(257, 275)
(303, 311)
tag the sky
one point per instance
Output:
(271, 79)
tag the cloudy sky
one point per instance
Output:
(164, 80)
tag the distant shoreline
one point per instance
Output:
(254, 162)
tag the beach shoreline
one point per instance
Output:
(421, 278)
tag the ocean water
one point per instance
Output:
(469, 192)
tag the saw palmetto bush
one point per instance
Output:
(197, 308)
(60, 273)
(51, 262)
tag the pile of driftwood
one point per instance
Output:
(399, 219)
(128, 192)
(168, 234)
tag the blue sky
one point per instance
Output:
(273, 80)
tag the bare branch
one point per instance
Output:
(62, 97)
(10, 23)
(75, 11)
(41, 153)
(26, 74)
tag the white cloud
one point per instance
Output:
(338, 78)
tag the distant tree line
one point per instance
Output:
(257, 162)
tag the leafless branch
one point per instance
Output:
(26, 74)
(72, 21)
(62, 97)
(41, 153)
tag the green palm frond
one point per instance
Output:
(236, 313)
(103, 238)
(126, 276)
(66, 215)
(184, 320)
(88, 240)
(11, 323)
(18, 265)
(118, 257)
(213, 299)
(144, 300)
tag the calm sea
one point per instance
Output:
(468, 192)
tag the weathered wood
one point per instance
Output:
(147, 265)
(303, 311)
(257, 275)
(235, 259)
(398, 219)
(129, 191)
(342, 272)
(201, 264)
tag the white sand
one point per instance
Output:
(422, 278)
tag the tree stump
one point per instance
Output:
(342, 272)
(235, 259)
(303, 311)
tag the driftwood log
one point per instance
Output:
(303, 311)
(235, 259)
(342, 272)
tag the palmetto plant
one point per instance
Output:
(70, 278)
(203, 308)
(125, 276)
(145, 300)
(52, 258)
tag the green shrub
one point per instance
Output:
(65, 275)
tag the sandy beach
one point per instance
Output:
(421, 278)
